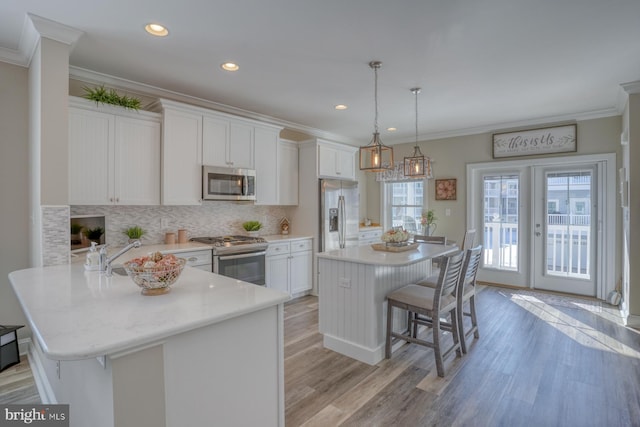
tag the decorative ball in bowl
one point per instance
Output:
(155, 273)
(395, 236)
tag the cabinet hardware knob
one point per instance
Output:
(192, 259)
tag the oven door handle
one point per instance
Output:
(239, 256)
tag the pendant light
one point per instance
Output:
(417, 166)
(376, 157)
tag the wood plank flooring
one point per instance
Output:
(541, 360)
(17, 384)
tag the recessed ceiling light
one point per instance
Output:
(230, 66)
(156, 30)
(341, 107)
(392, 129)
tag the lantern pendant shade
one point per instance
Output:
(376, 157)
(415, 166)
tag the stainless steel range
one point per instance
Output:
(240, 257)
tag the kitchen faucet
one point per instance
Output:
(105, 263)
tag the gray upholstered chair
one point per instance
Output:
(426, 306)
(467, 293)
(469, 239)
(434, 240)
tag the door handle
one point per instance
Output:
(538, 234)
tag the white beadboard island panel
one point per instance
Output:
(353, 284)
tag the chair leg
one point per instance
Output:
(474, 319)
(387, 349)
(460, 318)
(436, 346)
(455, 332)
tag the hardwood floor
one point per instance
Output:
(17, 384)
(541, 360)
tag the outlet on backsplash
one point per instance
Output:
(164, 223)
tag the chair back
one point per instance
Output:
(469, 239)
(436, 240)
(449, 276)
(470, 267)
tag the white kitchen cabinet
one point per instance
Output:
(181, 156)
(226, 142)
(336, 161)
(267, 165)
(114, 156)
(288, 173)
(200, 259)
(289, 266)
(369, 235)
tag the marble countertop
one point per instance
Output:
(77, 314)
(366, 255)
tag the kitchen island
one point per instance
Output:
(195, 356)
(353, 283)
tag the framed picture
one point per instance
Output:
(446, 189)
(549, 140)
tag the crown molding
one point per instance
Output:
(33, 28)
(97, 78)
(55, 31)
(631, 87)
(495, 127)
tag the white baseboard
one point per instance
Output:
(633, 321)
(23, 346)
(39, 375)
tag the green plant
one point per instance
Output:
(93, 233)
(110, 96)
(134, 232)
(252, 225)
(428, 217)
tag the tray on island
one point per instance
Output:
(395, 247)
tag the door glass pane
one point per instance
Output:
(568, 224)
(501, 217)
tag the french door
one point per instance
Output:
(564, 229)
(546, 226)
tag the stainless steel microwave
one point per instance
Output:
(220, 183)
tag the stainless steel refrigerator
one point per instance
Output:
(339, 214)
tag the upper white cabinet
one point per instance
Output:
(114, 155)
(267, 165)
(336, 160)
(287, 173)
(227, 143)
(181, 156)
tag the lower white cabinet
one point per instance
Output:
(288, 266)
(200, 259)
(370, 235)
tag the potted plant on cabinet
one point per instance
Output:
(93, 234)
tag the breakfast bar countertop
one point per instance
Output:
(78, 314)
(366, 255)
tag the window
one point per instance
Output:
(501, 219)
(403, 204)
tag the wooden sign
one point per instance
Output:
(558, 139)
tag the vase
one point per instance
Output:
(255, 233)
(428, 229)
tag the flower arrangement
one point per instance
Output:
(395, 236)
(428, 218)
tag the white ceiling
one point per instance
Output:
(482, 64)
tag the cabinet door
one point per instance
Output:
(215, 138)
(277, 272)
(182, 158)
(300, 272)
(266, 151)
(240, 145)
(346, 164)
(288, 173)
(137, 161)
(327, 160)
(90, 157)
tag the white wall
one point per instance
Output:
(14, 187)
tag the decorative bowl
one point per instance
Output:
(395, 236)
(155, 276)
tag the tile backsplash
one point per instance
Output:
(210, 219)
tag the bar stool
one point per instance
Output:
(425, 306)
(467, 292)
